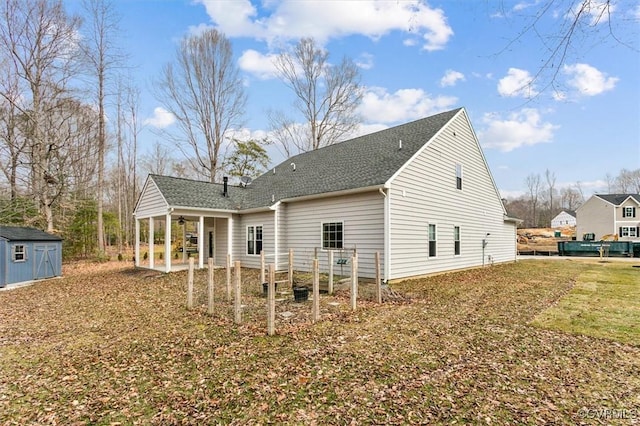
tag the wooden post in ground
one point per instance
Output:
(315, 252)
(290, 268)
(228, 278)
(210, 286)
(354, 282)
(315, 313)
(238, 296)
(378, 280)
(262, 266)
(190, 284)
(330, 285)
(271, 301)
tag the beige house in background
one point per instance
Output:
(420, 194)
(609, 215)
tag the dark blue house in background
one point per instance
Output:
(28, 254)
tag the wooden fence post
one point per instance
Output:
(378, 281)
(262, 266)
(271, 301)
(238, 295)
(315, 313)
(290, 269)
(354, 282)
(190, 284)
(228, 278)
(210, 285)
(330, 285)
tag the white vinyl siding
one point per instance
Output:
(362, 216)
(151, 201)
(240, 224)
(423, 193)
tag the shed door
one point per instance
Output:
(45, 261)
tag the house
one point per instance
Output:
(28, 254)
(609, 215)
(421, 194)
(564, 218)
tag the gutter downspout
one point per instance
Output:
(387, 234)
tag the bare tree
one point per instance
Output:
(202, 89)
(570, 198)
(103, 58)
(550, 177)
(326, 96)
(39, 39)
(158, 161)
(628, 181)
(534, 186)
(576, 22)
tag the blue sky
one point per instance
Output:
(420, 58)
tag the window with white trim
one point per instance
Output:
(332, 235)
(432, 240)
(628, 231)
(456, 240)
(19, 253)
(458, 176)
(628, 212)
(254, 239)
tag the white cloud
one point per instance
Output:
(365, 61)
(161, 118)
(404, 105)
(451, 77)
(280, 20)
(598, 12)
(519, 129)
(517, 83)
(262, 66)
(587, 80)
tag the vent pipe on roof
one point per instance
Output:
(400, 145)
(225, 190)
(293, 166)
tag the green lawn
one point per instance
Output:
(604, 302)
(117, 346)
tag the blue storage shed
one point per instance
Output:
(28, 254)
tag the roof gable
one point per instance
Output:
(23, 233)
(363, 162)
(618, 199)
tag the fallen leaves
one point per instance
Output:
(112, 346)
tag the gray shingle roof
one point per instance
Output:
(365, 161)
(21, 233)
(618, 199)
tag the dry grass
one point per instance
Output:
(110, 346)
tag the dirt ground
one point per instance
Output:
(543, 239)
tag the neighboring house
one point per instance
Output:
(421, 194)
(28, 254)
(607, 215)
(564, 218)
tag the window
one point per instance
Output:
(456, 240)
(332, 235)
(19, 253)
(254, 239)
(628, 231)
(459, 176)
(628, 212)
(432, 240)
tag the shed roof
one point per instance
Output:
(365, 161)
(23, 233)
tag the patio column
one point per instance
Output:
(167, 243)
(230, 236)
(136, 252)
(201, 242)
(151, 243)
